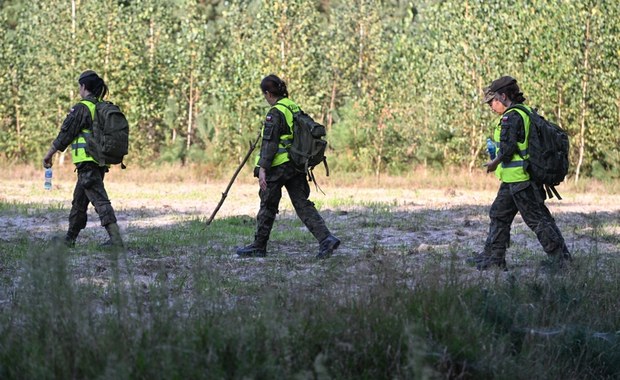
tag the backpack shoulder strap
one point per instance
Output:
(527, 111)
(92, 110)
(287, 107)
(521, 107)
(290, 110)
(283, 105)
(90, 100)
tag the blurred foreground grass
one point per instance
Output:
(395, 302)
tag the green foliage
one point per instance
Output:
(403, 81)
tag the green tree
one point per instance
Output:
(397, 83)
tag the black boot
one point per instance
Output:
(67, 240)
(252, 250)
(115, 240)
(556, 261)
(484, 262)
(327, 247)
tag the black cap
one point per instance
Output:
(496, 85)
(86, 74)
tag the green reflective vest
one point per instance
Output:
(78, 146)
(284, 105)
(514, 171)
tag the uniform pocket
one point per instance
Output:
(88, 176)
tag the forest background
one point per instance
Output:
(397, 83)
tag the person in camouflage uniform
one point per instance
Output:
(275, 170)
(517, 193)
(89, 187)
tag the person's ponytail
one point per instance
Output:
(274, 85)
(93, 83)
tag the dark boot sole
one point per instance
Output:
(329, 251)
(252, 254)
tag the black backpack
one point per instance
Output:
(110, 138)
(548, 148)
(308, 147)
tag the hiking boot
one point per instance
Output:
(327, 247)
(66, 240)
(484, 262)
(566, 257)
(551, 266)
(109, 244)
(252, 250)
(556, 262)
(115, 241)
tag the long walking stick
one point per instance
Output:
(225, 193)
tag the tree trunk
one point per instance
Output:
(59, 115)
(18, 123)
(618, 104)
(73, 30)
(584, 105)
(474, 134)
(190, 117)
(558, 114)
(380, 143)
(379, 147)
(63, 154)
(151, 43)
(360, 58)
(361, 48)
(332, 103)
(108, 44)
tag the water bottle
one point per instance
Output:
(48, 178)
(491, 148)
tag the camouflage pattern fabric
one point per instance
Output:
(528, 199)
(89, 189)
(298, 190)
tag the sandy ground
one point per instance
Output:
(162, 203)
(420, 224)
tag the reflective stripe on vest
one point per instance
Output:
(514, 171)
(78, 146)
(284, 105)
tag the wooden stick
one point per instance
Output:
(225, 193)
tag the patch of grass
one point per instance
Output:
(279, 327)
(396, 300)
(30, 208)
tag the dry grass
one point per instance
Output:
(451, 178)
(403, 251)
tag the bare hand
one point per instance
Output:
(491, 165)
(262, 178)
(47, 160)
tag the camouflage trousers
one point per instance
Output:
(296, 185)
(528, 199)
(89, 189)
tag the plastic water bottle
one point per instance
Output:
(48, 178)
(491, 148)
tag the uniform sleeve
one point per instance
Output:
(77, 119)
(273, 129)
(512, 132)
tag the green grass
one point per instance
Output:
(559, 326)
(30, 208)
(180, 304)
